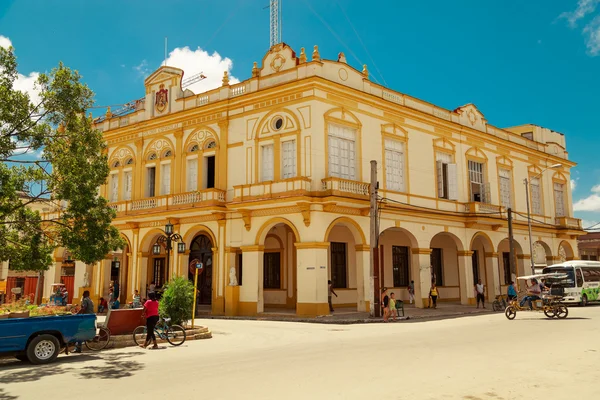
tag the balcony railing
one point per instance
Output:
(568, 222)
(272, 189)
(483, 208)
(202, 198)
(344, 187)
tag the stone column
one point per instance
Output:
(421, 274)
(251, 292)
(494, 276)
(363, 278)
(312, 272)
(465, 275)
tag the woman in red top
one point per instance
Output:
(151, 311)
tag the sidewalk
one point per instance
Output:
(351, 316)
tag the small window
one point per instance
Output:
(116, 164)
(277, 123)
(194, 148)
(168, 153)
(129, 162)
(152, 157)
(211, 145)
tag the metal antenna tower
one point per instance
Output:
(275, 8)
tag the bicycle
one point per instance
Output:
(99, 342)
(174, 334)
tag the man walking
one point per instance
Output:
(330, 292)
(480, 292)
(87, 307)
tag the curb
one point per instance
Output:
(120, 341)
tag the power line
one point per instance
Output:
(592, 227)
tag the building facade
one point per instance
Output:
(589, 246)
(270, 177)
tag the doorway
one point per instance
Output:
(210, 172)
(201, 252)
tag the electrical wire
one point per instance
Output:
(436, 209)
(533, 219)
(592, 227)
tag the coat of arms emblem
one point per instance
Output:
(162, 99)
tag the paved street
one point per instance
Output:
(477, 357)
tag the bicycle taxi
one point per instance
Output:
(549, 302)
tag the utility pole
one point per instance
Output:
(511, 244)
(374, 284)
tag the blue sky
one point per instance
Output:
(534, 61)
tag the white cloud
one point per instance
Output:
(5, 42)
(592, 40)
(595, 189)
(586, 223)
(193, 62)
(573, 184)
(590, 203)
(142, 68)
(584, 7)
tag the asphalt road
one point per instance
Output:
(479, 357)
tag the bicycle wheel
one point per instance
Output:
(562, 311)
(510, 312)
(100, 341)
(176, 335)
(139, 335)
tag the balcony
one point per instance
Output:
(297, 186)
(345, 188)
(483, 208)
(203, 198)
(568, 222)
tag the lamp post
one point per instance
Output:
(167, 240)
(527, 182)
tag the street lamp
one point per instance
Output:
(167, 240)
(527, 182)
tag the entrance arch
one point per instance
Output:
(398, 266)
(509, 274)
(445, 265)
(201, 251)
(484, 266)
(542, 255)
(565, 252)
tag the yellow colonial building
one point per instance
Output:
(270, 177)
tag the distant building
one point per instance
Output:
(589, 246)
(270, 176)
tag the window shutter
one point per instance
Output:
(486, 195)
(452, 182)
(128, 181)
(289, 159)
(440, 178)
(165, 177)
(192, 175)
(114, 192)
(267, 163)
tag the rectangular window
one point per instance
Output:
(165, 179)
(128, 181)
(272, 271)
(210, 172)
(114, 188)
(150, 181)
(342, 156)
(505, 187)
(394, 165)
(192, 174)
(268, 172)
(159, 272)
(559, 199)
(338, 265)
(289, 159)
(536, 196)
(446, 177)
(476, 180)
(437, 264)
(400, 265)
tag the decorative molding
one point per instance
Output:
(423, 251)
(247, 217)
(252, 248)
(312, 245)
(305, 210)
(465, 253)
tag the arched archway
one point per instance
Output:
(542, 255)
(119, 272)
(484, 267)
(201, 252)
(397, 263)
(508, 273)
(446, 269)
(565, 251)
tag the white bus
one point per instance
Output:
(582, 283)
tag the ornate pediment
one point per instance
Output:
(280, 58)
(470, 116)
(163, 74)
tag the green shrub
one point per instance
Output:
(177, 300)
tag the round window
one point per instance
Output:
(277, 123)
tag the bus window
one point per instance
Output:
(591, 274)
(579, 277)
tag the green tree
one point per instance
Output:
(53, 160)
(177, 300)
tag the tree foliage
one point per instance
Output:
(177, 300)
(53, 162)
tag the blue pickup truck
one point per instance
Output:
(40, 339)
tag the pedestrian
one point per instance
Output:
(151, 313)
(330, 292)
(152, 287)
(111, 298)
(137, 302)
(433, 295)
(480, 292)
(512, 292)
(102, 305)
(116, 290)
(411, 291)
(385, 304)
(392, 306)
(87, 307)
